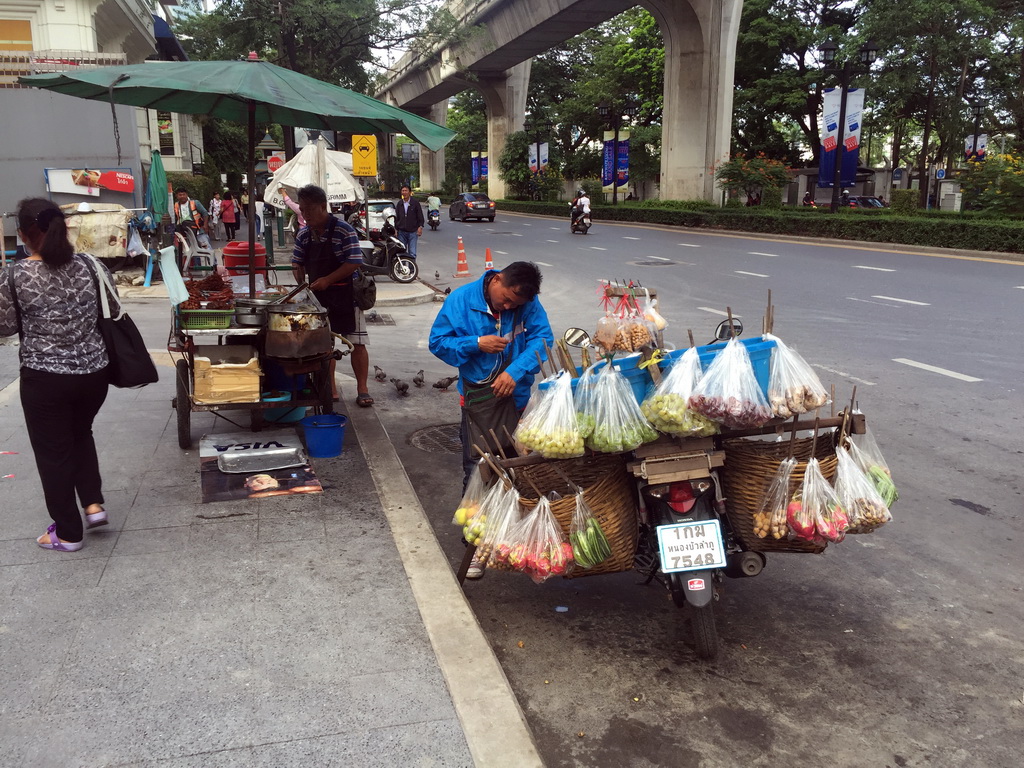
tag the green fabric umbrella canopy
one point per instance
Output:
(227, 89)
(247, 91)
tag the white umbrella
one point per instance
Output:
(314, 164)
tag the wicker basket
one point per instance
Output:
(607, 488)
(750, 466)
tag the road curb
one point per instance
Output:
(494, 724)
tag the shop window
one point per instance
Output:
(166, 128)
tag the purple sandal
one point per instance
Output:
(96, 519)
(56, 544)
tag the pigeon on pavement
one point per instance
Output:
(443, 384)
(401, 386)
(379, 374)
(418, 378)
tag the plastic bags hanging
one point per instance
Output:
(590, 546)
(551, 428)
(820, 517)
(538, 548)
(618, 423)
(582, 399)
(869, 458)
(729, 393)
(770, 518)
(864, 505)
(793, 386)
(503, 518)
(668, 409)
(476, 517)
(475, 491)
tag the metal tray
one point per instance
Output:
(260, 460)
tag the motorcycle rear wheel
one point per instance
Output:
(404, 270)
(705, 631)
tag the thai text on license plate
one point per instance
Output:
(691, 546)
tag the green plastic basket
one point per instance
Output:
(205, 319)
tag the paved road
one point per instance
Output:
(901, 648)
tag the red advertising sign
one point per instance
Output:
(83, 181)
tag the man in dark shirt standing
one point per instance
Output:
(326, 254)
(408, 220)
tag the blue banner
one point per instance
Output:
(830, 137)
(608, 161)
(475, 170)
(483, 165)
(622, 166)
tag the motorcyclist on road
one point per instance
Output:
(580, 205)
(433, 204)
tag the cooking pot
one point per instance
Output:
(297, 330)
(251, 311)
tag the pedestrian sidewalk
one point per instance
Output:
(321, 630)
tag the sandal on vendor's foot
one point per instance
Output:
(49, 540)
(95, 519)
(476, 568)
(363, 400)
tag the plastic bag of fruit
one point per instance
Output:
(504, 516)
(537, 547)
(581, 398)
(793, 386)
(728, 393)
(590, 546)
(864, 505)
(868, 456)
(475, 491)
(476, 523)
(770, 518)
(649, 310)
(618, 423)
(551, 428)
(820, 517)
(667, 407)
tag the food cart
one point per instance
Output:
(597, 490)
(269, 355)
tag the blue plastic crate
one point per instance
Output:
(759, 351)
(639, 378)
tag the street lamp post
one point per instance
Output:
(977, 110)
(849, 69)
(612, 115)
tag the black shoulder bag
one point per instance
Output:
(130, 361)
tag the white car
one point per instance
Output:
(377, 208)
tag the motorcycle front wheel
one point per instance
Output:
(404, 270)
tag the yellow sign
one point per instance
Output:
(364, 155)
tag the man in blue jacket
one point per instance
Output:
(492, 330)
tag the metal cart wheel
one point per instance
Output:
(183, 403)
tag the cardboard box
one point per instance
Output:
(227, 374)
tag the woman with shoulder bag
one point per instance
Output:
(50, 299)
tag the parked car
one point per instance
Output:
(377, 208)
(472, 205)
(865, 201)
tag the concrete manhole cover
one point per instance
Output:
(652, 263)
(444, 438)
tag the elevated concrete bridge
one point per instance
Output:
(700, 48)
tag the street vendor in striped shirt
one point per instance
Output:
(327, 255)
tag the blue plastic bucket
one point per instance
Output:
(759, 351)
(281, 415)
(639, 379)
(324, 435)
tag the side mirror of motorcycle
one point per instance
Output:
(726, 331)
(577, 337)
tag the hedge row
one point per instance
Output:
(948, 231)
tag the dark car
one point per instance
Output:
(471, 205)
(865, 201)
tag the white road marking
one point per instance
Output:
(759, 253)
(597, 248)
(516, 234)
(934, 369)
(543, 263)
(627, 237)
(903, 301)
(660, 258)
(688, 245)
(845, 375)
(877, 269)
(555, 228)
(716, 311)
(752, 274)
(865, 301)
(1021, 286)
(503, 253)
(527, 225)
(552, 241)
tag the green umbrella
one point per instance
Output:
(247, 91)
(156, 189)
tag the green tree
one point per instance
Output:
(752, 176)
(467, 117)
(514, 166)
(995, 184)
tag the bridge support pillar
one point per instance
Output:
(432, 163)
(505, 99)
(700, 54)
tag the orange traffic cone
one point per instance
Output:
(462, 270)
(488, 264)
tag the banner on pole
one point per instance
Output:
(543, 156)
(969, 148)
(534, 158)
(475, 169)
(830, 137)
(622, 163)
(608, 161)
(483, 166)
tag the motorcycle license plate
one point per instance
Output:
(691, 546)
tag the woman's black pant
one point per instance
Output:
(59, 411)
(230, 230)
